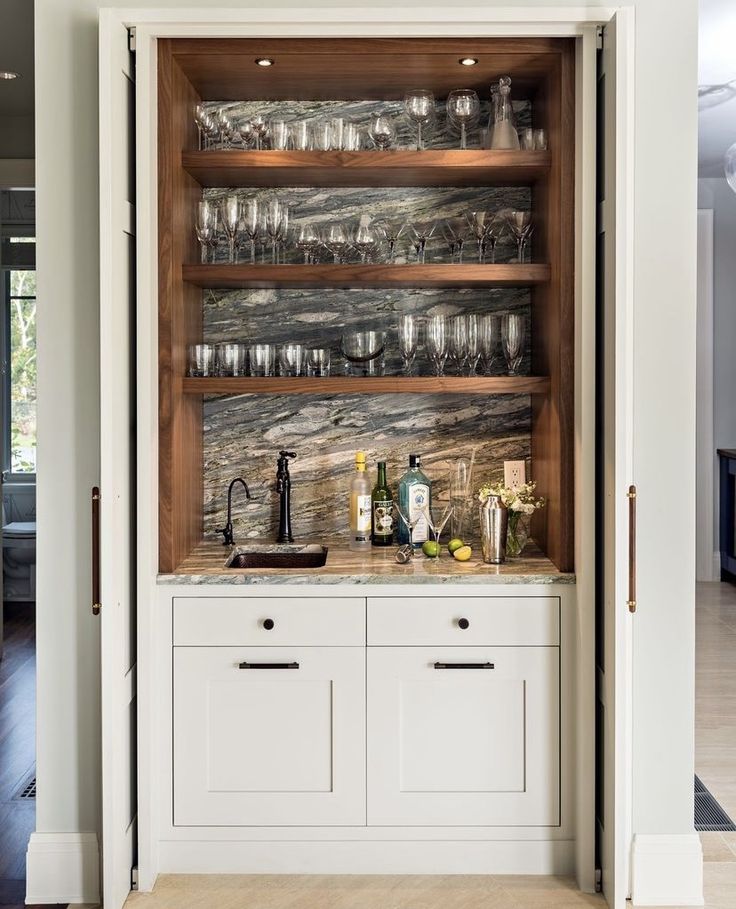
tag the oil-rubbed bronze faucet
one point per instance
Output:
(227, 530)
(283, 488)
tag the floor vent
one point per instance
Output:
(27, 790)
(708, 813)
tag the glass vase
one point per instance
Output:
(517, 535)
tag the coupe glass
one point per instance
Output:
(458, 346)
(473, 342)
(337, 239)
(488, 342)
(463, 110)
(419, 107)
(422, 231)
(520, 225)
(512, 340)
(205, 226)
(363, 351)
(291, 359)
(382, 131)
(308, 241)
(436, 342)
(437, 525)
(230, 218)
(251, 224)
(408, 340)
(391, 232)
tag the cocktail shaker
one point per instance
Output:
(494, 522)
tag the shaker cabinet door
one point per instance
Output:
(463, 736)
(269, 736)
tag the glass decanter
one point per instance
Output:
(504, 133)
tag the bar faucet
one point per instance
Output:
(283, 488)
(227, 530)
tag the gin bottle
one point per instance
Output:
(415, 495)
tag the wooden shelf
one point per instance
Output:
(476, 385)
(399, 167)
(264, 276)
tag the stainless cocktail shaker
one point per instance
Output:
(494, 522)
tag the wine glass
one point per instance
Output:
(336, 238)
(246, 133)
(488, 342)
(437, 525)
(307, 240)
(260, 128)
(225, 127)
(423, 231)
(201, 120)
(520, 225)
(458, 346)
(251, 224)
(205, 226)
(436, 341)
(419, 107)
(463, 110)
(512, 339)
(391, 232)
(230, 218)
(408, 340)
(382, 131)
(276, 215)
(365, 240)
(472, 342)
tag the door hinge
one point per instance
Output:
(598, 880)
(599, 33)
(134, 877)
(131, 39)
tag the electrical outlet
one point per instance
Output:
(514, 473)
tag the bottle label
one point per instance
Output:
(383, 518)
(363, 517)
(418, 501)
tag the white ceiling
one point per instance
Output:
(716, 69)
(16, 54)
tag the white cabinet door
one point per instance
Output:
(269, 736)
(463, 736)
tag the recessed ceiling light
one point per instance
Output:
(264, 61)
(7, 74)
(468, 61)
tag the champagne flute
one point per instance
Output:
(437, 343)
(512, 339)
(472, 342)
(458, 346)
(437, 525)
(251, 224)
(463, 110)
(230, 217)
(408, 340)
(275, 213)
(488, 342)
(419, 107)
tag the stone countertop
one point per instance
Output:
(205, 565)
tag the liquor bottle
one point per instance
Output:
(360, 506)
(382, 503)
(415, 495)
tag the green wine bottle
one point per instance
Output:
(382, 510)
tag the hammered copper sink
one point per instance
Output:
(278, 556)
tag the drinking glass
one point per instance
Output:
(201, 360)
(526, 139)
(336, 238)
(391, 231)
(382, 131)
(408, 340)
(460, 499)
(230, 218)
(225, 127)
(261, 359)
(291, 359)
(301, 135)
(479, 222)
(458, 346)
(337, 133)
(251, 224)
(473, 345)
(419, 107)
(512, 340)
(437, 525)
(365, 240)
(352, 138)
(422, 231)
(318, 361)
(540, 140)
(488, 342)
(231, 359)
(308, 241)
(409, 523)
(463, 110)
(436, 342)
(280, 134)
(277, 219)
(520, 225)
(260, 128)
(205, 226)
(201, 118)
(246, 133)
(322, 135)
(450, 237)
(363, 351)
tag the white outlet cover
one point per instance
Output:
(514, 473)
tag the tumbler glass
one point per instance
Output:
(318, 361)
(291, 359)
(201, 360)
(526, 139)
(280, 134)
(261, 357)
(540, 139)
(231, 359)
(301, 135)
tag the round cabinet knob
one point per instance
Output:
(463, 623)
(268, 624)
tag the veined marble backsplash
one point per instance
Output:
(243, 434)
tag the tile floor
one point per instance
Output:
(715, 763)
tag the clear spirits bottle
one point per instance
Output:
(415, 495)
(360, 506)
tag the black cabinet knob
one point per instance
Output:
(268, 624)
(463, 623)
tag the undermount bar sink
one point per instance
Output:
(278, 555)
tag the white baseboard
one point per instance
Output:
(433, 857)
(63, 868)
(667, 870)
(716, 575)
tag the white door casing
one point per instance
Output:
(117, 464)
(707, 552)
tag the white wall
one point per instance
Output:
(68, 759)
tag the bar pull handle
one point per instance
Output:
(268, 665)
(464, 666)
(96, 604)
(631, 495)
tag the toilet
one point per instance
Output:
(19, 560)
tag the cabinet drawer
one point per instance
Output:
(459, 621)
(269, 621)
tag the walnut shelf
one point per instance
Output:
(398, 167)
(264, 276)
(475, 385)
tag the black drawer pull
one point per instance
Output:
(464, 666)
(268, 665)
(268, 624)
(463, 623)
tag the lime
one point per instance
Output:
(431, 549)
(463, 553)
(455, 544)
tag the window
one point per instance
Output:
(19, 362)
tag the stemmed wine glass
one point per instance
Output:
(391, 231)
(260, 128)
(436, 341)
(247, 133)
(437, 525)
(251, 224)
(463, 110)
(458, 347)
(230, 217)
(337, 239)
(512, 339)
(382, 131)
(277, 222)
(225, 127)
(520, 225)
(423, 231)
(419, 107)
(203, 122)
(488, 342)
(365, 240)
(307, 240)
(205, 226)
(408, 340)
